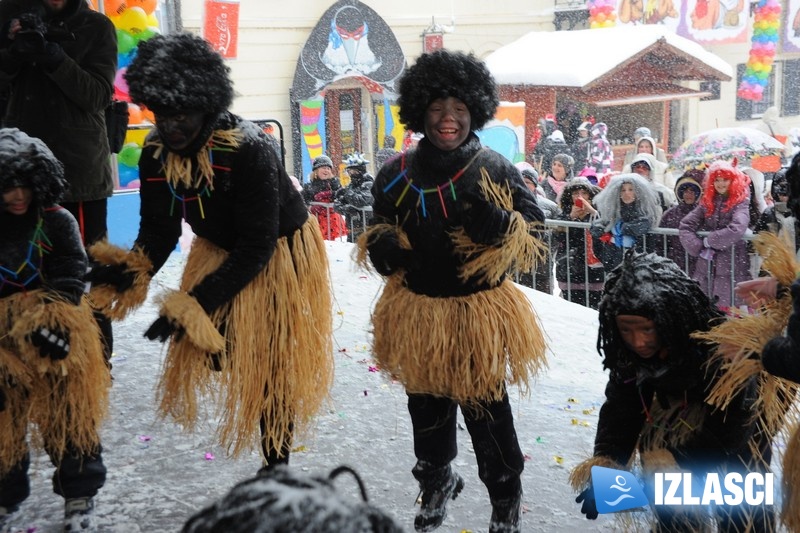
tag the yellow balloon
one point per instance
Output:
(133, 20)
(608, 23)
(594, 25)
(152, 20)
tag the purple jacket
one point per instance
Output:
(725, 237)
(672, 219)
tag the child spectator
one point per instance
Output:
(321, 188)
(601, 157)
(579, 272)
(628, 208)
(688, 191)
(351, 200)
(560, 172)
(723, 211)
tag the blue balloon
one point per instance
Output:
(127, 174)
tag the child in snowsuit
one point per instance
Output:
(322, 188)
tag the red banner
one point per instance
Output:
(221, 26)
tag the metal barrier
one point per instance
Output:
(656, 241)
(355, 224)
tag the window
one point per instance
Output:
(748, 109)
(712, 87)
(790, 81)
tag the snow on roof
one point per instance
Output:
(576, 58)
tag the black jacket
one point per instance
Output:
(428, 219)
(65, 107)
(635, 384)
(50, 257)
(252, 204)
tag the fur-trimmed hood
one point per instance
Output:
(573, 185)
(27, 162)
(609, 205)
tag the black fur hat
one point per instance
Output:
(653, 287)
(179, 72)
(442, 74)
(793, 179)
(282, 499)
(27, 162)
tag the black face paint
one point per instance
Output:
(178, 130)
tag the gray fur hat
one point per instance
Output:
(179, 72)
(26, 161)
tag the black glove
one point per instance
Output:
(2, 400)
(117, 276)
(163, 328)
(589, 506)
(388, 256)
(31, 46)
(484, 222)
(52, 343)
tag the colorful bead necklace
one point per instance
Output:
(438, 190)
(38, 245)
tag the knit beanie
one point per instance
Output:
(322, 161)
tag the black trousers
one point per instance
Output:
(491, 426)
(76, 476)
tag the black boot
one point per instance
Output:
(506, 515)
(437, 486)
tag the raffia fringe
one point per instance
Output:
(179, 170)
(278, 356)
(462, 347)
(181, 308)
(581, 475)
(737, 339)
(790, 513)
(66, 400)
(360, 251)
(518, 251)
(106, 299)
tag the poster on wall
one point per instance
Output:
(714, 21)
(505, 133)
(791, 25)
(221, 26)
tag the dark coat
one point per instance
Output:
(59, 267)
(65, 107)
(675, 250)
(252, 204)
(436, 272)
(571, 245)
(634, 224)
(634, 386)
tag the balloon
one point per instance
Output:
(148, 6)
(134, 114)
(148, 115)
(129, 155)
(123, 60)
(132, 20)
(119, 81)
(114, 7)
(608, 23)
(148, 32)
(125, 42)
(152, 20)
(127, 174)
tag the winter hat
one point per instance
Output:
(179, 72)
(557, 135)
(642, 132)
(687, 182)
(355, 160)
(585, 126)
(641, 160)
(282, 499)
(322, 161)
(442, 74)
(759, 187)
(575, 184)
(567, 161)
(26, 161)
(590, 173)
(655, 288)
(528, 172)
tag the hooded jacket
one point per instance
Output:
(65, 107)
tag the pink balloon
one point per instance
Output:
(119, 81)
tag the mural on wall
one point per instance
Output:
(714, 21)
(791, 33)
(349, 40)
(505, 133)
(663, 12)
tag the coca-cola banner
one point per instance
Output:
(221, 26)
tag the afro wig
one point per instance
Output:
(655, 288)
(793, 179)
(442, 74)
(179, 72)
(27, 162)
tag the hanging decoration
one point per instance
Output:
(602, 13)
(762, 51)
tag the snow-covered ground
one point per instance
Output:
(159, 476)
